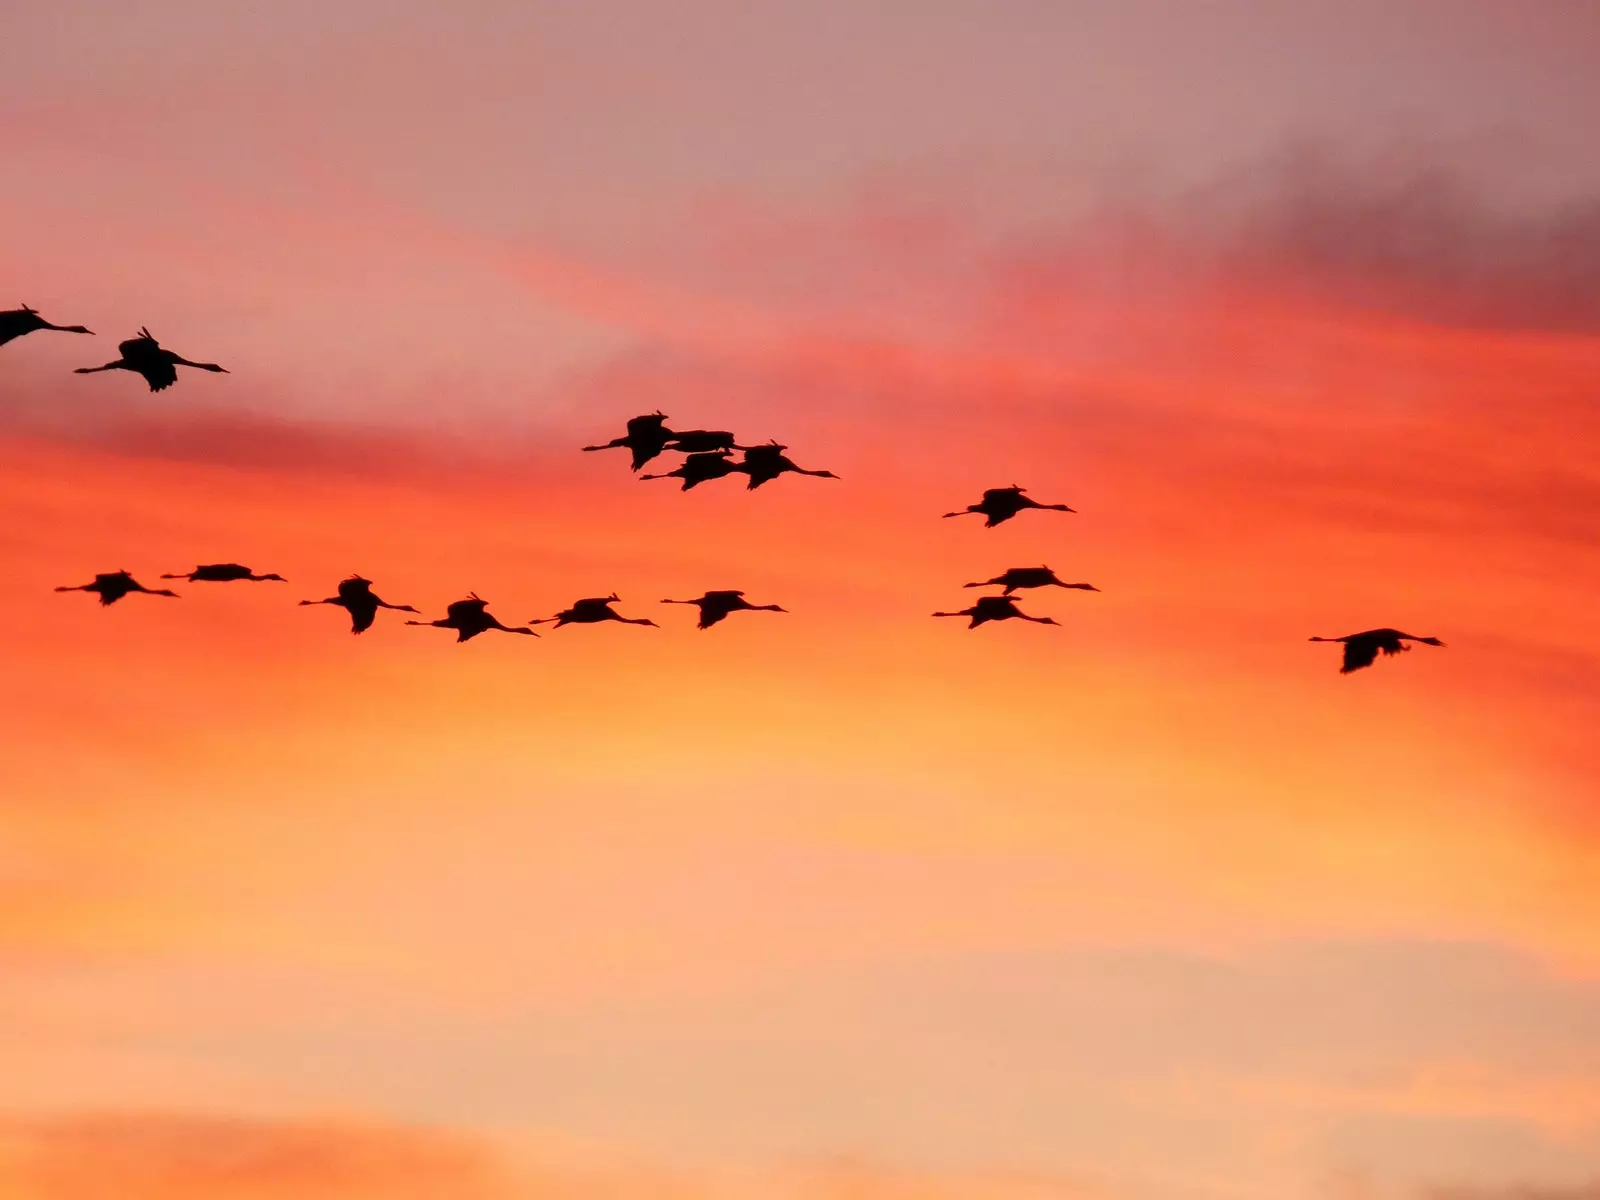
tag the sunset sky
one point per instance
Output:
(1297, 303)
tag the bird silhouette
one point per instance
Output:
(224, 573)
(1001, 504)
(765, 463)
(114, 585)
(15, 322)
(698, 468)
(1361, 649)
(647, 437)
(1030, 577)
(701, 441)
(145, 356)
(716, 605)
(470, 617)
(995, 608)
(589, 611)
(356, 598)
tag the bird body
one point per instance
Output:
(1001, 504)
(714, 606)
(16, 322)
(765, 463)
(701, 441)
(145, 356)
(698, 468)
(589, 611)
(1361, 649)
(356, 597)
(224, 573)
(1030, 577)
(647, 437)
(995, 608)
(470, 617)
(114, 585)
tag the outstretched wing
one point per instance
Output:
(465, 608)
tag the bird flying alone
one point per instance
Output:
(589, 611)
(714, 606)
(1030, 577)
(224, 573)
(145, 356)
(1361, 649)
(470, 617)
(1001, 504)
(356, 598)
(114, 585)
(18, 321)
(995, 608)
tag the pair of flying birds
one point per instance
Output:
(142, 355)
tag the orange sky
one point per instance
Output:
(847, 903)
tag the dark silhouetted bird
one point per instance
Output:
(647, 437)
(356, 598)
(114, 585)
(765, 463)
(17, 321)
(716, 605)
(470, 617)
(1361, 649)
(145, 356)
(224, 573)
(589, 611)
(1030, 577)
(995, 608)
(698, 468)
(701, 441)
(1001, 504)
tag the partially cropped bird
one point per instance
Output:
(224, 573)
(470, 617)
(647, 437)
(356, 598)
(995, 608)
(589, 611)
(698, 468)
(716, 605)
(114, 585)
(700, 441)
(145, 356)
(765, 463)
(1001, 504)
(1361, 649)
(15, 322)
(1030, 577)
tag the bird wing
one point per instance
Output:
(361, 615)
(465, 608)
(1358, 653)
(354, 589)
(158, 373)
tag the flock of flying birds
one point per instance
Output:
(708, 455)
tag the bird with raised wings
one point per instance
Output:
(470, 617)
(114, 585)
(145, 356)
(714, 606)
(357, 598)
(1029, 577)
(224, 573)
(15, 322)
(766, 462)
(1361, 649)
(589, 611)
(1001, 504)
(647, 437)
(995, 608)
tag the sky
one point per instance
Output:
(1297, 304)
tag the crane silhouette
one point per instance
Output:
(589, 611)
(224, 573)
(714, 606)
(1001, 504)
(15, 322)
(995, 608)
(1361, 649)
(647, 437)
(699, 468)
(1030, 577)
(145, 356)
(470, 617)
(114, 585)
(356, 598)
(765, 463)
(702, 441)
